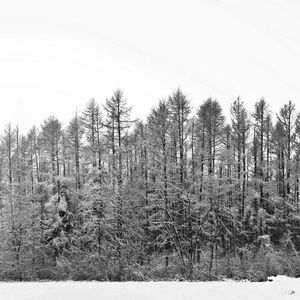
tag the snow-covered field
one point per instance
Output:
(280, 288)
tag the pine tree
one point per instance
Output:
(159, 130)
(92, 122)
(74, 136)
(118, 123)
(261, 117)
(240, 133)
(50, 135)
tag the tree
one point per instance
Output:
(180, 195)
(92, 123)
(51, 134)
(74, 136)
(287, 118)
(211, 124)
(240, 132)
(261, 133)
(159, 126)
(180, 111)
(118, 123)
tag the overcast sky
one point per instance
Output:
(56, 55)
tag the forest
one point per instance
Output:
(176, 196)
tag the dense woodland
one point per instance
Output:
(179, 196)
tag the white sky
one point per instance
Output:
(56, 55)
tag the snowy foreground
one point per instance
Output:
(280, 288)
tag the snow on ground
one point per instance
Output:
(280, 288)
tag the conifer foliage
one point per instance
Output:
(182, 195)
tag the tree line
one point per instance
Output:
(178, 196)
